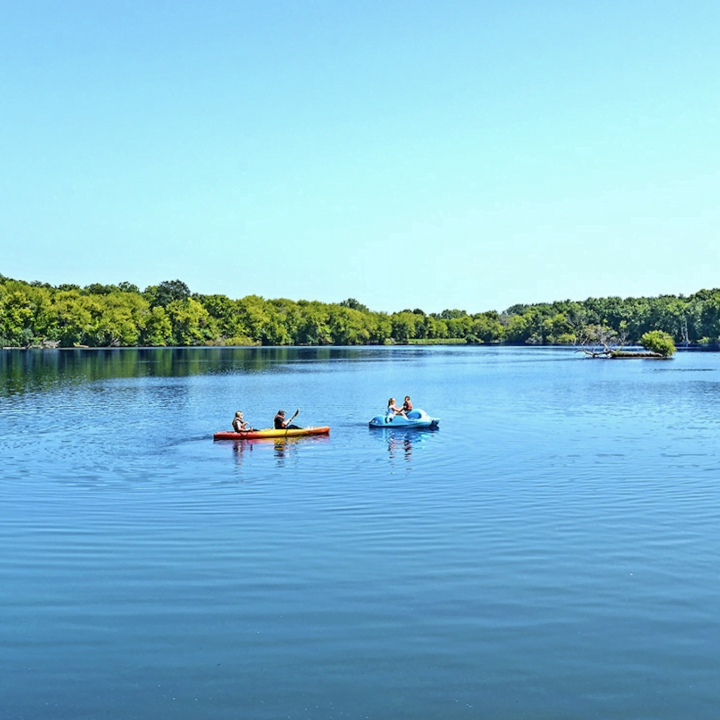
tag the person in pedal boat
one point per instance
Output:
(239, 424)
(281, 424)
(393, 409)
(407, 405)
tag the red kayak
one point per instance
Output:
(271, 433)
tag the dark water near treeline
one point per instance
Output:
(553, 551)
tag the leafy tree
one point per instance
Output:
(639, 320)
(434, 328)
(347, 326)
(405, 325)
(16, 314)
(167, 292)
(557, 331)
(710, 315)
(287, 318)
(460, 327)
(693, 318)
(487, 328)
(227, 316)
(452, 314)
(190, 322)
(157, 330)
(72, 318)
(99, 289)
(659, 342)
(121, 320)
(353, 304)
(40, 300)
(313, 328)
(518, 328)
(256, 316)
(379, 325)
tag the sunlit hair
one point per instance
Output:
(391, 401)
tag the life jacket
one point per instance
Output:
(407, 405)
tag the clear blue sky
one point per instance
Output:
(405, 153)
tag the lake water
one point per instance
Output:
(552, 551)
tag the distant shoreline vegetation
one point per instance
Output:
(36, 314)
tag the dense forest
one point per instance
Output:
(168, 314)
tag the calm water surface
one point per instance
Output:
(551, 552)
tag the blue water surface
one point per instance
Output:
(552, 551)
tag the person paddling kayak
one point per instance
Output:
(281, 423)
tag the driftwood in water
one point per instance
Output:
(617, 354)
(621, 354)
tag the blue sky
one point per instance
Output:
(437, 155)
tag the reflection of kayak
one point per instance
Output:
(414, 419)
(271, 433)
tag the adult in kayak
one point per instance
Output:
(280, 423)
(239, 424)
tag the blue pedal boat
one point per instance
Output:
(415, 419)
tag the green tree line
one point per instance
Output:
(169, 314)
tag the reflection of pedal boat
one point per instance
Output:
(414, 419)
(271, 433)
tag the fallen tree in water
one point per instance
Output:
(622, 354)
(600, 341)
(597, 341)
